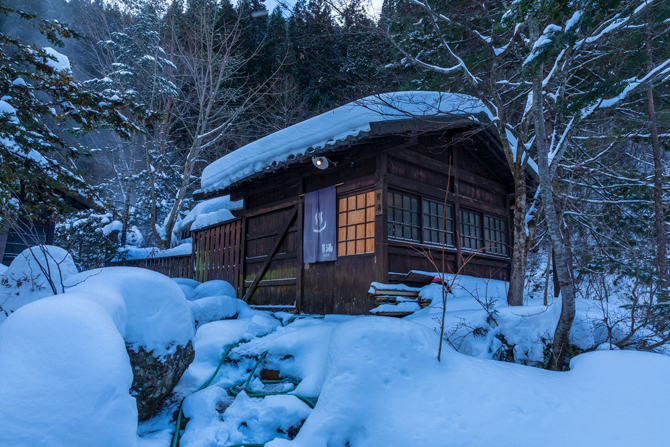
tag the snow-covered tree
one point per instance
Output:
(538, 67)
(41, 102)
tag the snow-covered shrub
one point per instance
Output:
(479, 323)
(64, 377)
(155, 321)
(214, 287)
(36, 273)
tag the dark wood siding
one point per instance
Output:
(263, 229)
(413, 166)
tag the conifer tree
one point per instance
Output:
(41, 99)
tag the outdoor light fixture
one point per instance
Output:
(320, 162)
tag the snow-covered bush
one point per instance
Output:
(214, 287)
(83, 234)
(64, 377)
(36, 273)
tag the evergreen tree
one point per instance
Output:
(39, 93)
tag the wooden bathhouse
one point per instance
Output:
(356, 195)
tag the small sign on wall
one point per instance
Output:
(320, 226)
(378, 202)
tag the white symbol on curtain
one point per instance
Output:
(319, 223)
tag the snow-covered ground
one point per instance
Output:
(376, 381)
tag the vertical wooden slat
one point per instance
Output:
(220, 247)
(225, 255)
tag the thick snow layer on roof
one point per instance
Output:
(208, 213)
(64, 377)
(349, 121)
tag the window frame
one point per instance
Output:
(368, 212)
(456, 209)
(394, 209)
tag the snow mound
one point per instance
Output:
(64, 377)
(149, 308)
(186, 285)
(317, 134)
(213, 308)
(24, 281)
(385, 387)
(192, 283)
(3, 269)
(463, 286)
(214, 287)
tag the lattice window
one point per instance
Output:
(356, 224)
(436, 222)
(403, 217)
(471, 230)
(495, 236)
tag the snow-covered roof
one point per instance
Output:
(334, 128)
(209, 212)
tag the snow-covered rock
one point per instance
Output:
(25, 280)
(215, 287)
(154, 318)
(64, 377)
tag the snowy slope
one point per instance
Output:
(318, 133)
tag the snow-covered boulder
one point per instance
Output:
(31, 276)
(215, 287)
(64, 377)
(154, 319)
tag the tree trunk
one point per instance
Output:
(562, 333)
(661, 247)
(519, 249)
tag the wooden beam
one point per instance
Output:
(299, 241)
(264, 267)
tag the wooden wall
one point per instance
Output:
(418, 166)
(417, 172)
